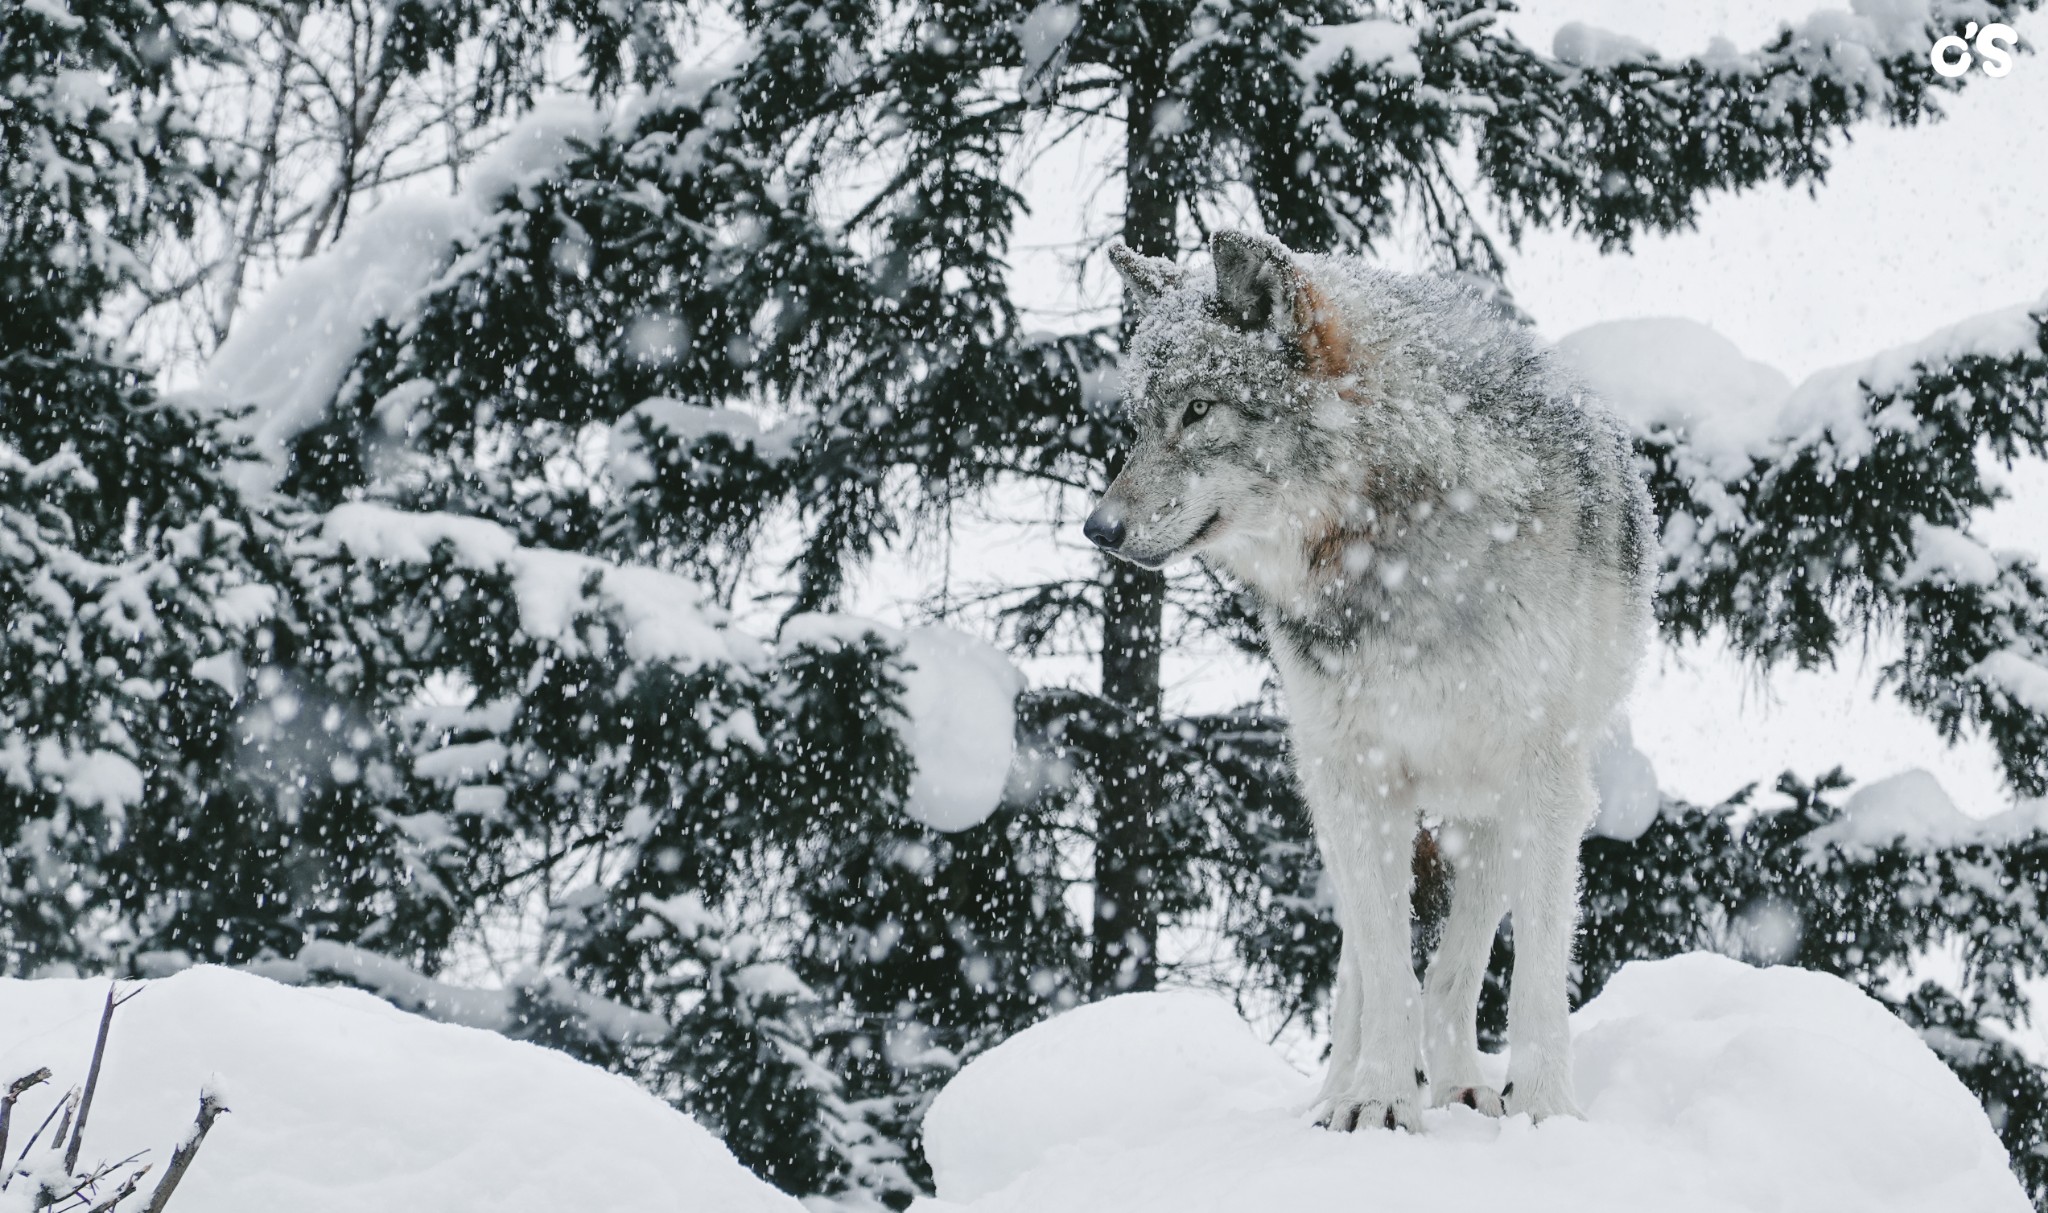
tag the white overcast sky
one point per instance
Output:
(1914, 230)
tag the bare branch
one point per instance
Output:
(92, 1078)
(14, 1092)
(64, 1125)
(210, 1107)
(88, 1181)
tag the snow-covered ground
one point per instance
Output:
(342, 1104)
(1707, 1085)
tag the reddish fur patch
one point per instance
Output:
(1432, 893)
(1326, 545)
(1325, 346)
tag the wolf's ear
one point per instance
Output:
(1256, 281)
(1145, 278)
(1261, 288)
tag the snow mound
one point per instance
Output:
(1707, 1085)
(1117, 1074)
(341, 1104)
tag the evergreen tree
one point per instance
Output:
(128, 578)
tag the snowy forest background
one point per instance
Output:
(564, 515)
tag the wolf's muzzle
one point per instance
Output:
(1105, 528)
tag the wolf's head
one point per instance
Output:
(1233, 392)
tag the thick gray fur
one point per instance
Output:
(1451, 547)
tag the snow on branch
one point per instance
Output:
(632, 464)
(1794, 516)
(1387, 46)
(287, 358)
(1617, 139)
(507, 1011)
(126, 627)
(663, 617)
(1346, 124)
(1830, 39)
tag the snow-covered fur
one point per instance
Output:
(1450, 548)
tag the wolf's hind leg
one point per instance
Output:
(1450, 994)
(1347, 1022)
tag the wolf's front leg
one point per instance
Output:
(1544, 896)
(1376, 1054)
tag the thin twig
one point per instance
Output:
(99, 1173)
(126, 1190)
(47, 1118)
(92, 1077)
(210, 1107)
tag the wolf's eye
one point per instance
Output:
(1197, 410)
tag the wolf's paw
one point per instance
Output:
(1541, 1103)
(1343, 1114)
(1484, 1100)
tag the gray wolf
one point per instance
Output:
(1450, 548)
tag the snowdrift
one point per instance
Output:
(342, 1104)
(1707, 1085)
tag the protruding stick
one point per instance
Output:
(69, 1107)
(210, 1106)
(92, 1081)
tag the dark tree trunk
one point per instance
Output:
(1126, 832)
(1126, 929)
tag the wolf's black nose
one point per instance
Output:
(1104, 530)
